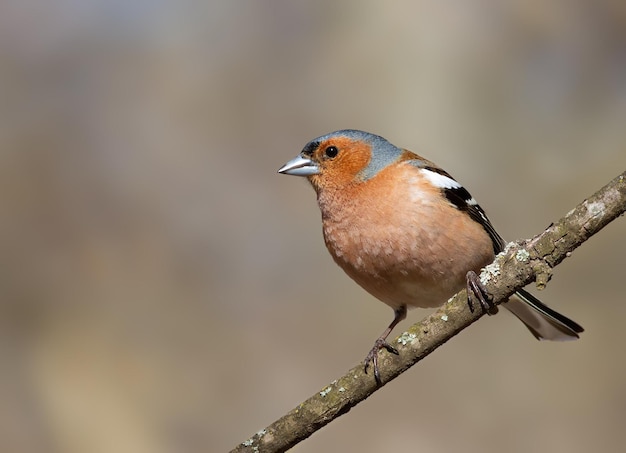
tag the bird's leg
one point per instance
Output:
(475, 286)
(381, 342)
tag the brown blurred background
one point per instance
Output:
(162, 289)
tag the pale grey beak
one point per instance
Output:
(299, 166)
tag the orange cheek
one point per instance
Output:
(343, 170)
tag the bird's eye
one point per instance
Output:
(331, 152)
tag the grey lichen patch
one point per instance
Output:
(406, 338)
(490, 271)
(522, 256)
(341, 389)
(250, 442)
(444, 317)
(326, 391)
(596, 208)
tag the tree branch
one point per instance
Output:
(521, 263)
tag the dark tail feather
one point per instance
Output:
(543, 322)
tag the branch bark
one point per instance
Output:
(521, 263)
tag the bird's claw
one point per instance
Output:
(372, 357)
(475, 286)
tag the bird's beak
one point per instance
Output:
(300, 166)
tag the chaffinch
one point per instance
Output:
(407, 232)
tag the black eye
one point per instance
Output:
(331, 152)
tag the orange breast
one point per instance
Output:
(400, 240)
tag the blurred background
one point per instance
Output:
(162, 289)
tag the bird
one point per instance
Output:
(407, 232)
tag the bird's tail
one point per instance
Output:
(543, 322)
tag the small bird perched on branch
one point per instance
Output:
(407, 232)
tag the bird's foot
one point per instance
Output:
(372, 357)
(475, 286)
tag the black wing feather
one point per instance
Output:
(463, 200)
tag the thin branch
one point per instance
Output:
(521, 263)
